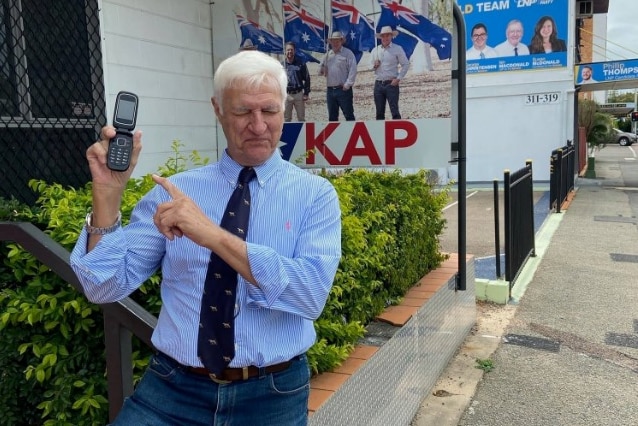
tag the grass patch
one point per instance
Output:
(486, 365)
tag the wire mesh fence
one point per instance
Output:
(51, 92)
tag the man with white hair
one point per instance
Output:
(390, 65)
(339, 66)
(253, 229)
(513, 46)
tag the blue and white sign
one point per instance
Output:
(602, 72)
(515, 35)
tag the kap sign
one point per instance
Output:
(420, 140)
(419, 143)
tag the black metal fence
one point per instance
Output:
(51, 92)
(561, 178)
(519, 220)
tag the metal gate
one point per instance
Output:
(519, 220)
(51, 92)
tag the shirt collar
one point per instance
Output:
(230, 168)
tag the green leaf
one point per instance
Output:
(50, 359)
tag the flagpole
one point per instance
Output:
(425, 11)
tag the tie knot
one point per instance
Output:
(246, 175)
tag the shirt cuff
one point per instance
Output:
(270, 279)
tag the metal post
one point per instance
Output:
(497, 234)
(119, 364)
(508, 230)
(461, 279)
(528, 163)
(559, 179)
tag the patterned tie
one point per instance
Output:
(516, 51)
(216, 339)
(482, 55)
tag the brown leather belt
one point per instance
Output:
(244, 373)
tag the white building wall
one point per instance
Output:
(599, 49)
(503, 132)
(161, 50)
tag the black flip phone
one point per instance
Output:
(120, 147)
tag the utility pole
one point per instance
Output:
(634, 124)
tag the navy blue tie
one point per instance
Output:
(216, 338)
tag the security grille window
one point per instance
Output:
(51, 91)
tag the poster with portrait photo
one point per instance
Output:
(605, 72)
(515, 36)
(420, 139)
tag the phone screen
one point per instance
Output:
(125, 111)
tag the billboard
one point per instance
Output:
(603, 72)
(515, 35)
(416, 133)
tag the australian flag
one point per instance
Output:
(355, 26)
(397, 15)
(305, 56)
(406, 41)
(302, 28)
(265, 40)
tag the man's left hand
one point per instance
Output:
(180, 217)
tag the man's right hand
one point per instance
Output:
(103, 177)
(108, 185)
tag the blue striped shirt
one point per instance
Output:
(294, 248)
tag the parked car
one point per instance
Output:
(624, 138)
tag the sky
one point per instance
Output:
(622, 35)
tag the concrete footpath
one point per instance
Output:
(565, 351)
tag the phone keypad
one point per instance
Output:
(119, 153)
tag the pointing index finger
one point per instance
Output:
(172, 190)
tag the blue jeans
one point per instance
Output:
(337, 98)
(170, 395)
(384, 91)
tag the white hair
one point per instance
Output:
(250, 69)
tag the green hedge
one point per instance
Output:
(52, 363)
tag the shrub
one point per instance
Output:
(52, 359)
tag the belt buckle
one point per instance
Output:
(244, 373)
(214, 378)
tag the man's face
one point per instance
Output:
(386, 39)
(252, 121)
(290, 53)
(585, 73)
(479, 38)
(336, 43)
(514, 33)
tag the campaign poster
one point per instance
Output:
(603, 72)
(515, 35)
(422, 29)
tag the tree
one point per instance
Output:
(597, 125)
(621, 97)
